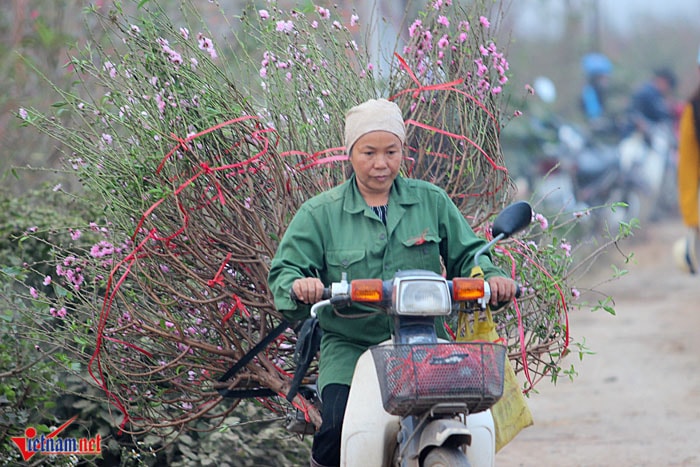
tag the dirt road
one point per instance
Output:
(636, 402)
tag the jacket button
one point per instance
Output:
(382, 236)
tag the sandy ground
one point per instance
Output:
(636, 402)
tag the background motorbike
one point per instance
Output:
(582, 174)
(417, 401)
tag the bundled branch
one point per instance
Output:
(201, 163)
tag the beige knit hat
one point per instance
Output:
(373, 115)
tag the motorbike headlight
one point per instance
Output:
(422, 296)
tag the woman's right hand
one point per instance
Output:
(308, 289)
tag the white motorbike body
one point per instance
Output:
(648, 161)
(369, 435)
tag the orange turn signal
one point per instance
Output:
(367, 290)
(467, 288)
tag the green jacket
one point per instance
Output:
(338, 232)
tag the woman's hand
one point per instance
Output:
(503, 289)
(308, 289)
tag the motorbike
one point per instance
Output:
(649, 154)
(417, 400)
(582, 174)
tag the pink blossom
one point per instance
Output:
(185, 33)
(109, 67)
(285, 26)
(47, 280)
(57, 187)
(206, 44)
(323, 12)
(544, 223)
(530, 89)
(264, 14)
(444, 21)
(462, 37)
(33, 292)
(517, 113)
(575, 293)
(107, 138)
(314, 24)
(135, 29)
(484, 22)
(175, 57)
(496, 90)
(337, 25)
(481, 69)
(566, 246)
(354, 19)
(75, 234)
(160, 102)
(443, 42)
(263, 72)
(417, 24)
(23, 114)
(101, 249)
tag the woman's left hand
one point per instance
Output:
(503, 289)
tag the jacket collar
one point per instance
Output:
(401, 194)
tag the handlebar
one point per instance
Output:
(325, 295)
(343, 300)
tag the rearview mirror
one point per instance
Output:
(512, 219)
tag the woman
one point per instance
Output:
(371, 226)
(689, 179)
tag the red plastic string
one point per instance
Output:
(237, 306)
(451, 86)
(459, 137)
(421, 87)
(104, 314)
(520, 327)
(218, 277)
(182, 143)
(130, 345)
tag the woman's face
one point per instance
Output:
(376, 159)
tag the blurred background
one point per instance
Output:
(543, 38)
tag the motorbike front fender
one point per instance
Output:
(445, 432)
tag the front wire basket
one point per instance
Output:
(415, 377)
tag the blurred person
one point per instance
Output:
(652, 102)
(648, 147)
(689, 180)
(597, 67)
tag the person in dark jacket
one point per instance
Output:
(371, 226)
(651, 103)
